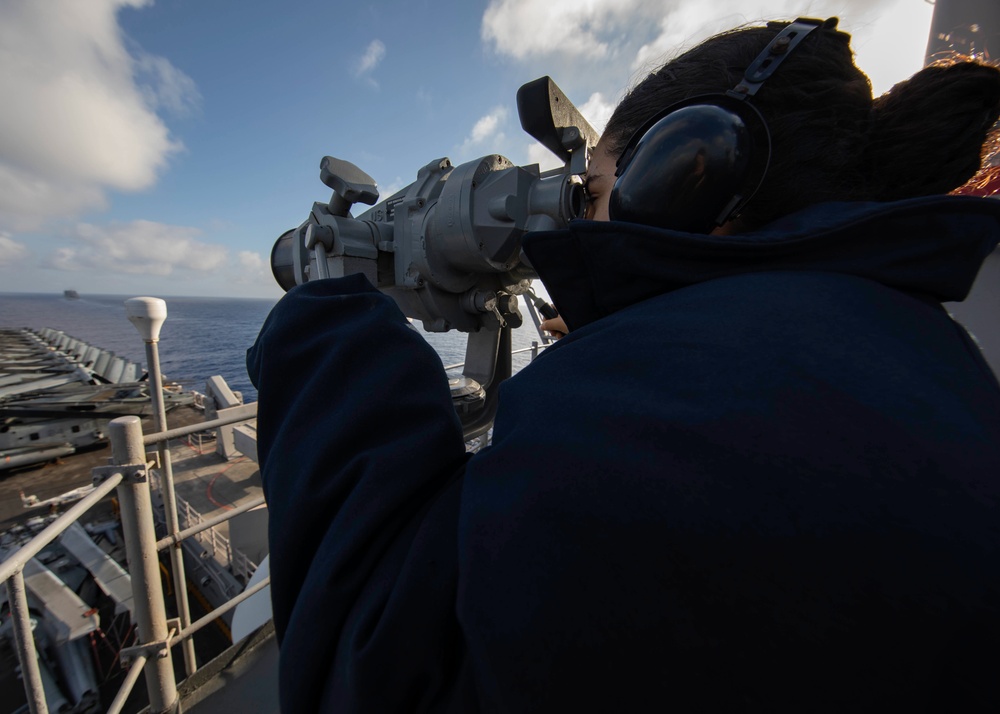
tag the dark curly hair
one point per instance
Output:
(831, 141)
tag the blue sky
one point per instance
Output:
(161, 148)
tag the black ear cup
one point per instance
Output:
(692, 166)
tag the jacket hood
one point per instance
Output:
(932, 247)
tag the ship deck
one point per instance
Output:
(210, 484)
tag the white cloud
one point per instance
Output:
(390, 188)
(28, 199)
(367, 63)
(888, 36)
(79, 113)
(138, 247)
(11, 251)
(890, 46)
(624, 39)
(166, 87)
(538, 154)
(252, 269)
(488, 127)
(686, 25)
(250, 261)
(597, 110)
(528, 28)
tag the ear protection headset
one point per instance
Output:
(694, 165)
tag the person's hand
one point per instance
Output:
(555, 326)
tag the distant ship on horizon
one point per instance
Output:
(71, 294)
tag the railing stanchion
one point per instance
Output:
(140, 545)
(170, 502)
(148, 314)
(27, 655)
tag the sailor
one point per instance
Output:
(758, 474)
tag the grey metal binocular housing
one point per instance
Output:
(447, 248)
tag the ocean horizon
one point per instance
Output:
(201, 337)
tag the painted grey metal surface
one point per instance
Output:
(242, 679)
(67, 616)
(107, 573)
(78, 676)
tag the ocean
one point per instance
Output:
(201, 337)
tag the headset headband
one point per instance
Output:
(775, 53)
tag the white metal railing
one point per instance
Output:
(130, 476)
(243, 568)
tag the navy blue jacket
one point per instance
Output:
(761, 473)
